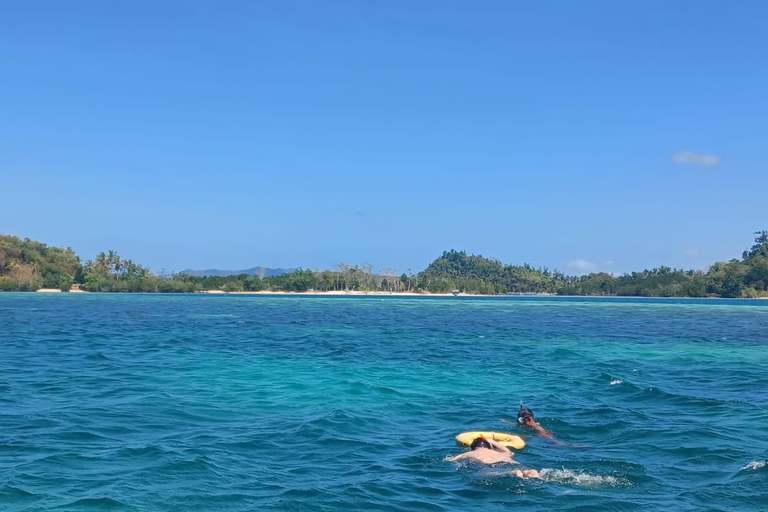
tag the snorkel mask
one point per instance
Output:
(524, 414)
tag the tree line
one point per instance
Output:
(27, 265)
(746, 278)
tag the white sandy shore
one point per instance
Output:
(56, 290)
(341, 293)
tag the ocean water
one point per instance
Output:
(181, 402)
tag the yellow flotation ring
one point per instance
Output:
(508, 440)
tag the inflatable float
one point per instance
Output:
(508, 440)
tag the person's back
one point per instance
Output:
(487, 451)
(488, 456)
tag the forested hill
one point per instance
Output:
(745, 277)
(456, 270)
(27, 265)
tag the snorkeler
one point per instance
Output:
(488, 451)
(526, 419)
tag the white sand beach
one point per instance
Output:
(342, 293)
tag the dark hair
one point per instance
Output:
(480, 443)
(524, 413)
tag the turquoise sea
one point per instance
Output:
(235, 403)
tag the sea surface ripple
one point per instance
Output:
(180, 402)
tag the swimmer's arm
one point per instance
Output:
(498, 446)
(458, 457)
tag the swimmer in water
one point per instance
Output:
(488, 451)
(526, 419)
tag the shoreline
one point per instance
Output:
(57, 290)
(341, 293)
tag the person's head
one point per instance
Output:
(480, 442)
(525, 417)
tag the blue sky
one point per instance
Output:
(579, 135)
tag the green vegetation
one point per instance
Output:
(456, 270)
(747, 277)
(26, 265)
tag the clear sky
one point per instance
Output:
(591, 135)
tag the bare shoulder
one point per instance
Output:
(458, 457)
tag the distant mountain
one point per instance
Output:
(261, 272)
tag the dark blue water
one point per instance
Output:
(172, 403)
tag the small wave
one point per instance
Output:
(616, 382)
(754, 465)
(570, 477)
(96, 504)
(15, 493)
(81, 436)
(98, 356)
